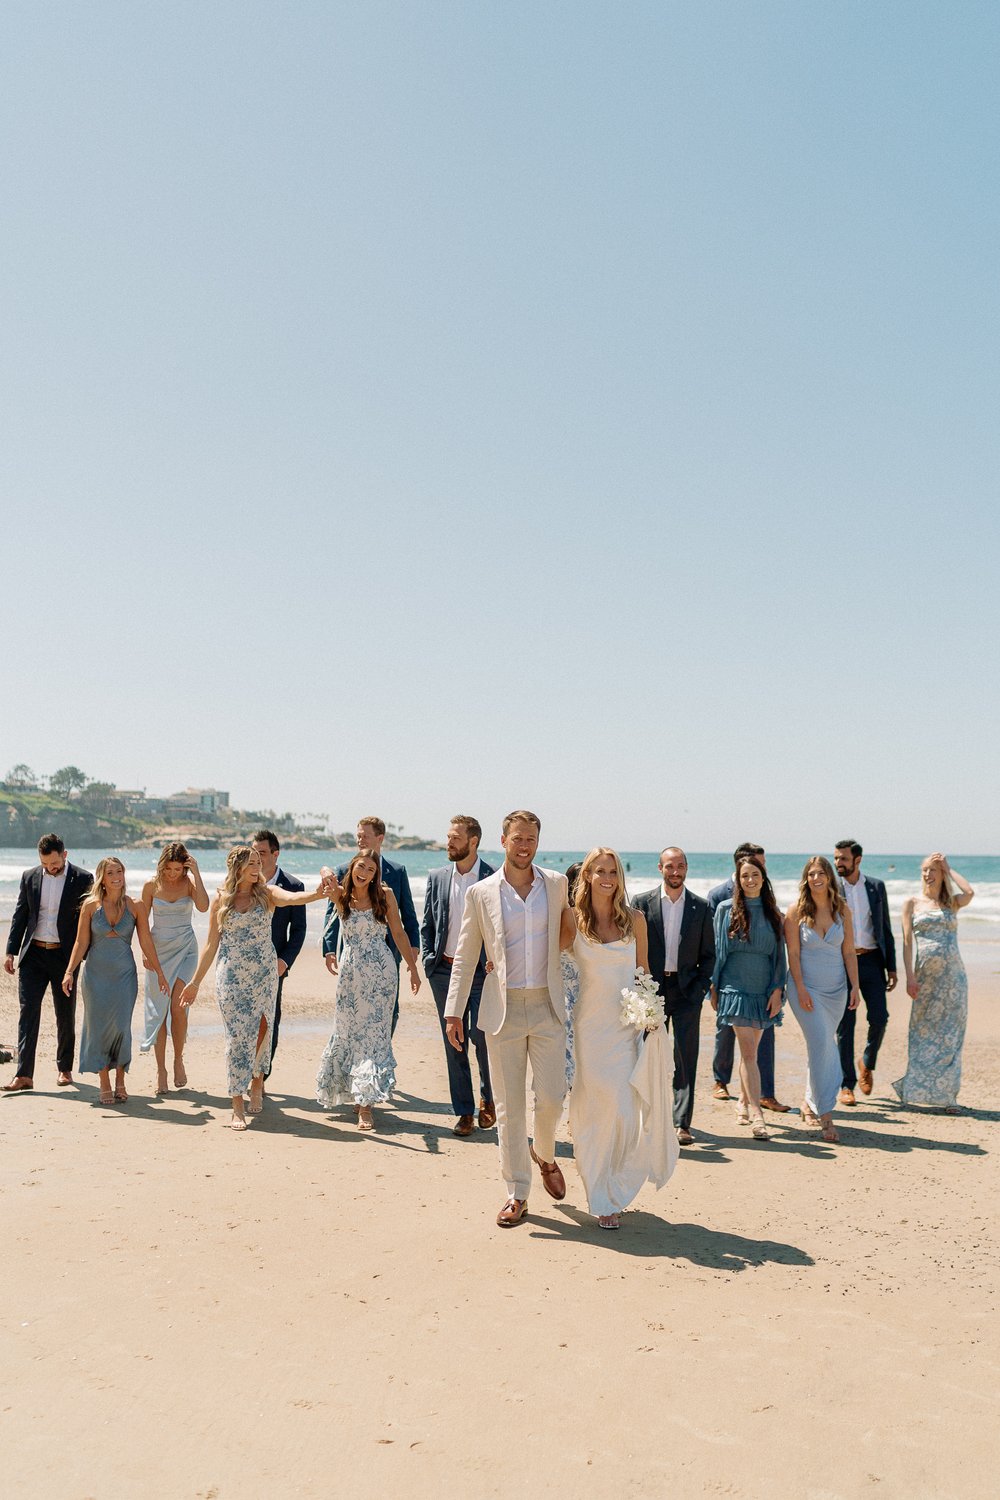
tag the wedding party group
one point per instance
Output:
(528, 967)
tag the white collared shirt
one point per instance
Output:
(47, 930)
(672, 911)
(526, 934)
(456, 904)
(861, 913)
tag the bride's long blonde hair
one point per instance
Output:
(584, 904)
(236, 862)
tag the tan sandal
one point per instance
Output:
(365, 1120)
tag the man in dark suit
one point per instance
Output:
(371, 833)
(876, 950)
(444, 905)
(40, 940)
(681, 959)
(725, 1037)
(288, 925)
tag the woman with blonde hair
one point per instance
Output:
(822, 964)
(358, 1066)
(246, 980)
(621, 1104)
(170, 900)
(937, 985)
(109, 919)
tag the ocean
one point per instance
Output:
(901, 873)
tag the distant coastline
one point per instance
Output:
(25, 817)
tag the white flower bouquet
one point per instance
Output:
(642, 1004)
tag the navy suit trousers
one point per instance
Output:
(463, 1099)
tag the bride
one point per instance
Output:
(620, 1106)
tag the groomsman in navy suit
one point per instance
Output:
(681, 959)
(288, 925)
(876, 949)
(371, 832)
(444, 905)
(725, 1037)
(40, 941)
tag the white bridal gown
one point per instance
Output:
(622, 1101)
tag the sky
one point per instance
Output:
(446, 407)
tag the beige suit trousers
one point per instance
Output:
(531, 1032)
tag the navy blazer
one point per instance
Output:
(695, 951)
(396, 878)
(720, 893)
(29, 899)
(288, 924)
(434, 927)
(879, 903)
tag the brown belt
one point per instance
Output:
(446, 960)
(866, 950)
(47, 946)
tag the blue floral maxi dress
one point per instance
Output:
(939, 1013)
(358, 1066)
(246, 986)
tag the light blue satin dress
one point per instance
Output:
(109, 987)
(825, 977)
(177, 949)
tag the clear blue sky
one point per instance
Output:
(437, 407)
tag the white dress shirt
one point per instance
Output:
(47, 930)
(861, 913)
(456, 904)
(672, 911)
(526, 935)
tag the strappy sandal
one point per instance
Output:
(107, 1096)
(759, 1130)
(742, 1113)
(609, 1221)
(121, 1095)
(365, 1120)
(831, 1134)
(808, 1118)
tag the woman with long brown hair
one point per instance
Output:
(109, 919)
(358, 1066)
(246, 980)
(937, 985)
(749, 976)
(622, 1130)
(821, 964)
(170, 900)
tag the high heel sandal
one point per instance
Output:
(743, 1113)
(808, 1118)
(759, 1130)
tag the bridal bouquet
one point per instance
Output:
(642, 1004)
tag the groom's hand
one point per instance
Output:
(455, 1032)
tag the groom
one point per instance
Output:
(516, 914)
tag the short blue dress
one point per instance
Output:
(746, 973)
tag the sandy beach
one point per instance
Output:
(306, 1311)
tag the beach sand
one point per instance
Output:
(306, 1311)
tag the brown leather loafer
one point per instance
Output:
(513, 1211)
(464, 1125)
(553, 1180)
(866, 1078)
(720, 1092)
(684, 1137)
(18, 1085)
(774, 1106)
(846, 1096)
(64, 1080)
(487, 1115)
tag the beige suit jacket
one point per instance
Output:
(482, 926)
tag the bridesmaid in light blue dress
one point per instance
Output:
(821, 964)
(358, 1066)
(170, 900)
(246, 980)
(937, 985)
(109, 919)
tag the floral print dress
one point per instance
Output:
(937, 1020)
